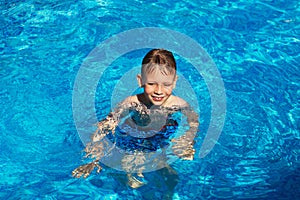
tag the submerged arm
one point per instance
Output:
(99, 145)
(184, 145)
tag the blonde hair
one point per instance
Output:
(159, 59)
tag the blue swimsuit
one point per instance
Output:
(157, 140)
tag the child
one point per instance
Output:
(149, 125)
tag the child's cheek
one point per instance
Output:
(169, 91)
(147, 90)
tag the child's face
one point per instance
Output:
(157, 86)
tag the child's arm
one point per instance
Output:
(184, 145)
(99, 145)
(96, 148)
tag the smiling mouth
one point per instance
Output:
(157, 98)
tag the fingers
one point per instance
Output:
(99, 168)
(186, 153)
(85, 170)
(86, 175)
(76, 173)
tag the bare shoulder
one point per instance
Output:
(126, 103)
(177, 101)
(130, 99)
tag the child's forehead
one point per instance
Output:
(158, 75)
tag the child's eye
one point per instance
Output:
(167, 84)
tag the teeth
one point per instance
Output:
(157, 98)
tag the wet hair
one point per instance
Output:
(159, 59)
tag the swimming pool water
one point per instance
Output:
(255, 45)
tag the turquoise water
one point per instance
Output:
(255, 45)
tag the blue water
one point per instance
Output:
(255, 45)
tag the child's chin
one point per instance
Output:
(157, 103)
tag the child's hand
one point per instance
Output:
(183, 148)
(85, 170)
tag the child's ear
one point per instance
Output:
(139, 79)
(175, 80)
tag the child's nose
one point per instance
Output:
(158, 89)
